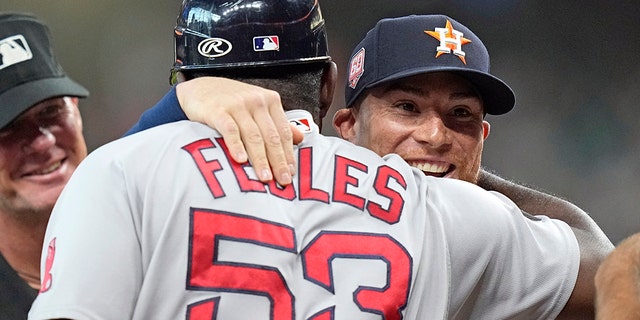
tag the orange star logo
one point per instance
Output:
(451, 41)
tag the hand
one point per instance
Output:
(250, 119)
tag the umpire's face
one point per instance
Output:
(39, 150)
(434, 121)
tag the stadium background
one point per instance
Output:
(573, 65)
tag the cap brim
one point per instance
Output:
(498, 98)
(20, 98)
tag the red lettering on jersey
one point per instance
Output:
(207, 309)
(206, 272)
(305, 178)
(207, 168)
(48, 278)
(245, 183)
(388, 300)
(326, 314)
(342, 179)
(396, 202)
(287, 193)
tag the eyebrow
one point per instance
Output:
(399, 86)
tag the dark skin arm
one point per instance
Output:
(594, 244)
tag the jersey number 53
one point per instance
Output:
(206, 272)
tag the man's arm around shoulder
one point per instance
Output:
(594, 244)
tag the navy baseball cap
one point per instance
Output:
(29, 71)
(406, 46)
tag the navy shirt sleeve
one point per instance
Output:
(167, 110)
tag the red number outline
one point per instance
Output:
(206, 273)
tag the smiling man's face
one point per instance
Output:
(434, 121)
(39, 150)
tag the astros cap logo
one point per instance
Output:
(451, 40)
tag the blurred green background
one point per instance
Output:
(573, 65)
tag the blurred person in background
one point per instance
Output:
(41, 144)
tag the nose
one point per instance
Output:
(38, 139)
(432, 130)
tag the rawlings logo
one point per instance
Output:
(214, 47)
(451, 40)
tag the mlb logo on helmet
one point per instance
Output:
(266, 43)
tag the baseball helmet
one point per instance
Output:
(214, 34)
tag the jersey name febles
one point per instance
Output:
(384, 176)
(208, 226)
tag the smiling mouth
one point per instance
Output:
(440, 169)
(46, 170)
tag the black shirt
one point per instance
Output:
(16, 296)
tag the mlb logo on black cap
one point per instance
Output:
(266, 43)
(14, 49)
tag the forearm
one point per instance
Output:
(594, 244)
(618, 282)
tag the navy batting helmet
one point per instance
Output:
(213, 34)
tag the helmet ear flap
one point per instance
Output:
(173, 77)
(213, 34)
(177, 77)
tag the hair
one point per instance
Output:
(298, 84)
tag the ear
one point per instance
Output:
(74, 101)
(486, 128)
(329, 80)
(344, 121)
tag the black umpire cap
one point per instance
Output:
(29, 71)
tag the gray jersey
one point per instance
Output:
(163, 225)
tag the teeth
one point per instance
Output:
(431, 168)
(50, 169)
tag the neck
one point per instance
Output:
(21, 238)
